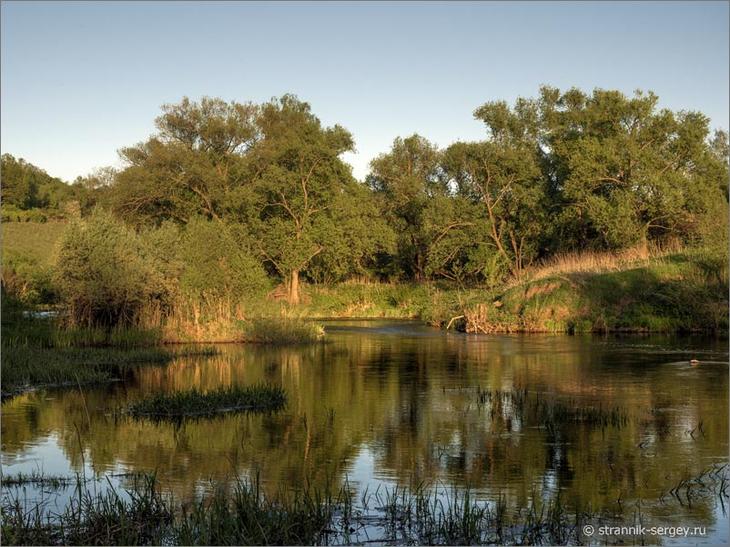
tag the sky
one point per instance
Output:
(82, 79)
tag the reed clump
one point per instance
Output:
(283, 331)
(193, 402)
(142, 515)
(241, 514)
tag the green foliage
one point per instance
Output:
(33, 367)
(31, 194)
(272, 171)
(106, 274)
(26, 278)
(628, 172)
(406, 181)
(307, 200)
(27, 261)
(227, 199)
(503, 176)
(681, 292)
(210, 259)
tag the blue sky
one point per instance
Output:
(82, 79)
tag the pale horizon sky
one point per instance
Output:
(82, 79)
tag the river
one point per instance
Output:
(384, 403)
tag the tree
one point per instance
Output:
(191, 166)
(406, 181)
(272, 169)
(626, 171)
(106, 273)
(503, 175)
(26, 186)
(306, 195)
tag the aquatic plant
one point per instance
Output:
(241, 514)
(283, 331)
(194, 402)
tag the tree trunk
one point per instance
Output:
(293, 297)
(643, 245)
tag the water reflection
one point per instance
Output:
(396, 403)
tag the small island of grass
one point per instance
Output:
(195, 403)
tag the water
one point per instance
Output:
(392, 402)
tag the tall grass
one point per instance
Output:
(604, 292)
(283, 331)
(144, 516)
(599, 261)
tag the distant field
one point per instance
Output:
(33, 239)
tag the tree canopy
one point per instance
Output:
(260, 192)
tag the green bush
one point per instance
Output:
(24, 277)
(105, 273)
(211, 260)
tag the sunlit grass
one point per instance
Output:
(26, 367)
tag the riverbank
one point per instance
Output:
(665, 290)
(681, 292)
(27, 368)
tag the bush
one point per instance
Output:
(105, 273)
(28, 280)
(218, 263)
(211, 260)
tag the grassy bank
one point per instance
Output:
(668, 290)
(259, 398)
(672, 293)
(25, 368)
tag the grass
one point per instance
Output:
(670, 293)
(47, 481)
(667, 289)
(35, 240)
(25, 368)
(194, 402)
(283, 331)
(144, 516)
(242, 515)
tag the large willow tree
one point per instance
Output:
(307, 202)
(625, 171)
(271, 169)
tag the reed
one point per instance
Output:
(193, 402)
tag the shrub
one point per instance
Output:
(28, 280)
(106, 274)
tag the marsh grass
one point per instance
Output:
(53, 482)
(27, 367)
(675, 292)
(193, 402)
(283, 331)
(142, 515)
(241, 514)
(600, 261)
